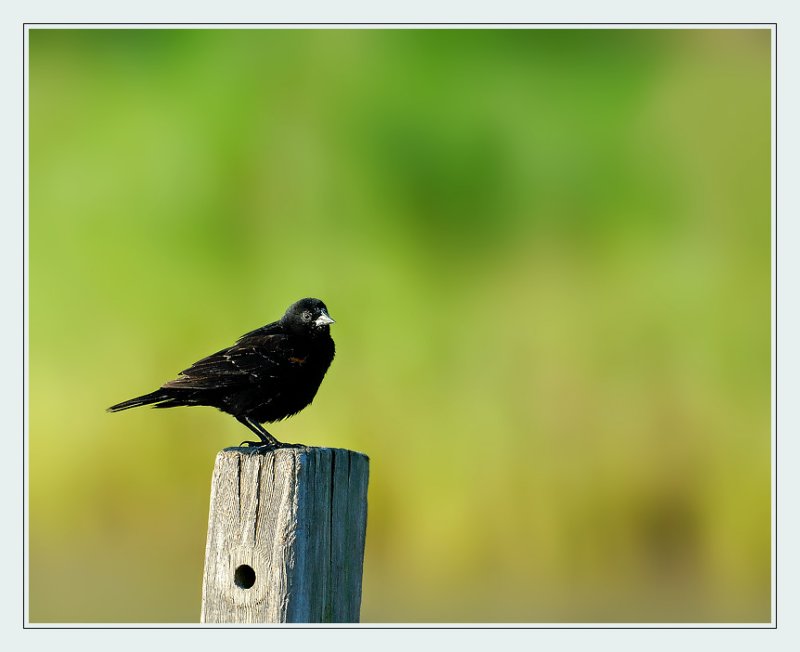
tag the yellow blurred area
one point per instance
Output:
(547, 253)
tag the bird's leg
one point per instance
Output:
(263, 435)
(267, 440)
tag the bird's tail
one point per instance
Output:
(147, 399)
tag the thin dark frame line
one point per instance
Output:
(774, 189)
(744, 24)
(235, 626)
(25, 569)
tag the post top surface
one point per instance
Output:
(264, 451)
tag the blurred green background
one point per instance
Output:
(548, 255)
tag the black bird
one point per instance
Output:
(270, 373)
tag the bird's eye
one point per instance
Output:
(306, 316)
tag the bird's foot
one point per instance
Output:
(252, 448)
(257, 444)
(268, 445)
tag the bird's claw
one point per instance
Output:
(269, 446)
(255, 444)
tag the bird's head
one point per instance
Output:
(308, 316)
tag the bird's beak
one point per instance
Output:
(323, 320)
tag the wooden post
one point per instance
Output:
(286, 532)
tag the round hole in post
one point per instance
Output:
(244, 576)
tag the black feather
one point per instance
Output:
(269, 374)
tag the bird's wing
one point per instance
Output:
(257, 357)
(270, 329)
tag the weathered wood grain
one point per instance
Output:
(286, 534)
